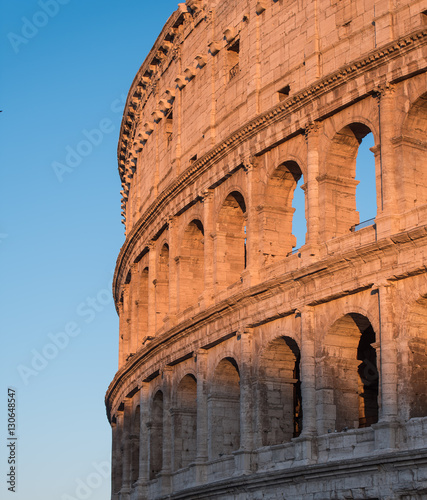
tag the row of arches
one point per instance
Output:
(182, 274)
(348, 396)
(263, 217)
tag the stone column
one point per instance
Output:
(115, 451)
(311, 188)
(152, 271)
(387, 221)
(209, 230)
(386, 428)
(173, 285)
(119, 447)
(308, 374)
(121, 333)
(125, 325)
(144, 443)
(202, 416)
(244, 454)
(253, 237)
(303, 444)
(133, 309)
(165, 474)
(127, 429)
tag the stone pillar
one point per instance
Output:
(127, 429)
(244, 454)
(115, 452)
(152, 271)
(308, 374)
(386, 428)
(119, 447)
(387, 221)
(133, 309)
(311, 188)
(144, 443)
(121, 333)
(253, 237)
(173, 284)
(209, 230)
(304, 443)
(125, 325)
(165, 474)
(202, 416)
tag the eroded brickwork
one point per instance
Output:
(249, 368)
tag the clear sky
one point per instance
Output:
(66, 68)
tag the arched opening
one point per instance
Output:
(417, 363)
(224, 410)
(156, 435)
(349, 389)
(185, 423)
(299, 221)
(162, 286)
(337, 184)
(283, 217)
(134, 442)
(412, 149)
(231, 240)
(280, 392)
(191, 265)
(366, 192)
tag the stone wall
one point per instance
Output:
(249, 368)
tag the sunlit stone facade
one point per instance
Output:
(248, 368)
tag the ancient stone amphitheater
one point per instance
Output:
(248, 368)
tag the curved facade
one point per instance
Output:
(249, 366)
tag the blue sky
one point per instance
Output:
(66, 68)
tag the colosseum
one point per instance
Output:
(252, 366)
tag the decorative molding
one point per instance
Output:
(261, 6)
(214, 47)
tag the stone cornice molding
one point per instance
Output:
(279, 112)
(372, 59)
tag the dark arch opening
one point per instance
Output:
(224, 410)
(280, 392)
(231, 240)
(185, 423)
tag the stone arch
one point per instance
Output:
(416, 366)
(224, 409)
(348, 388)
(191, 264)
(412, 146)
(184, 421)
(156, 435)
(162, 285)
(134, 444)
(230, 240)
(278, 213)
(280, 399)
(337, 183)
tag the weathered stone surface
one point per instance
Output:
(249, 369)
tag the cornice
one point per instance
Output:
(291, 105)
